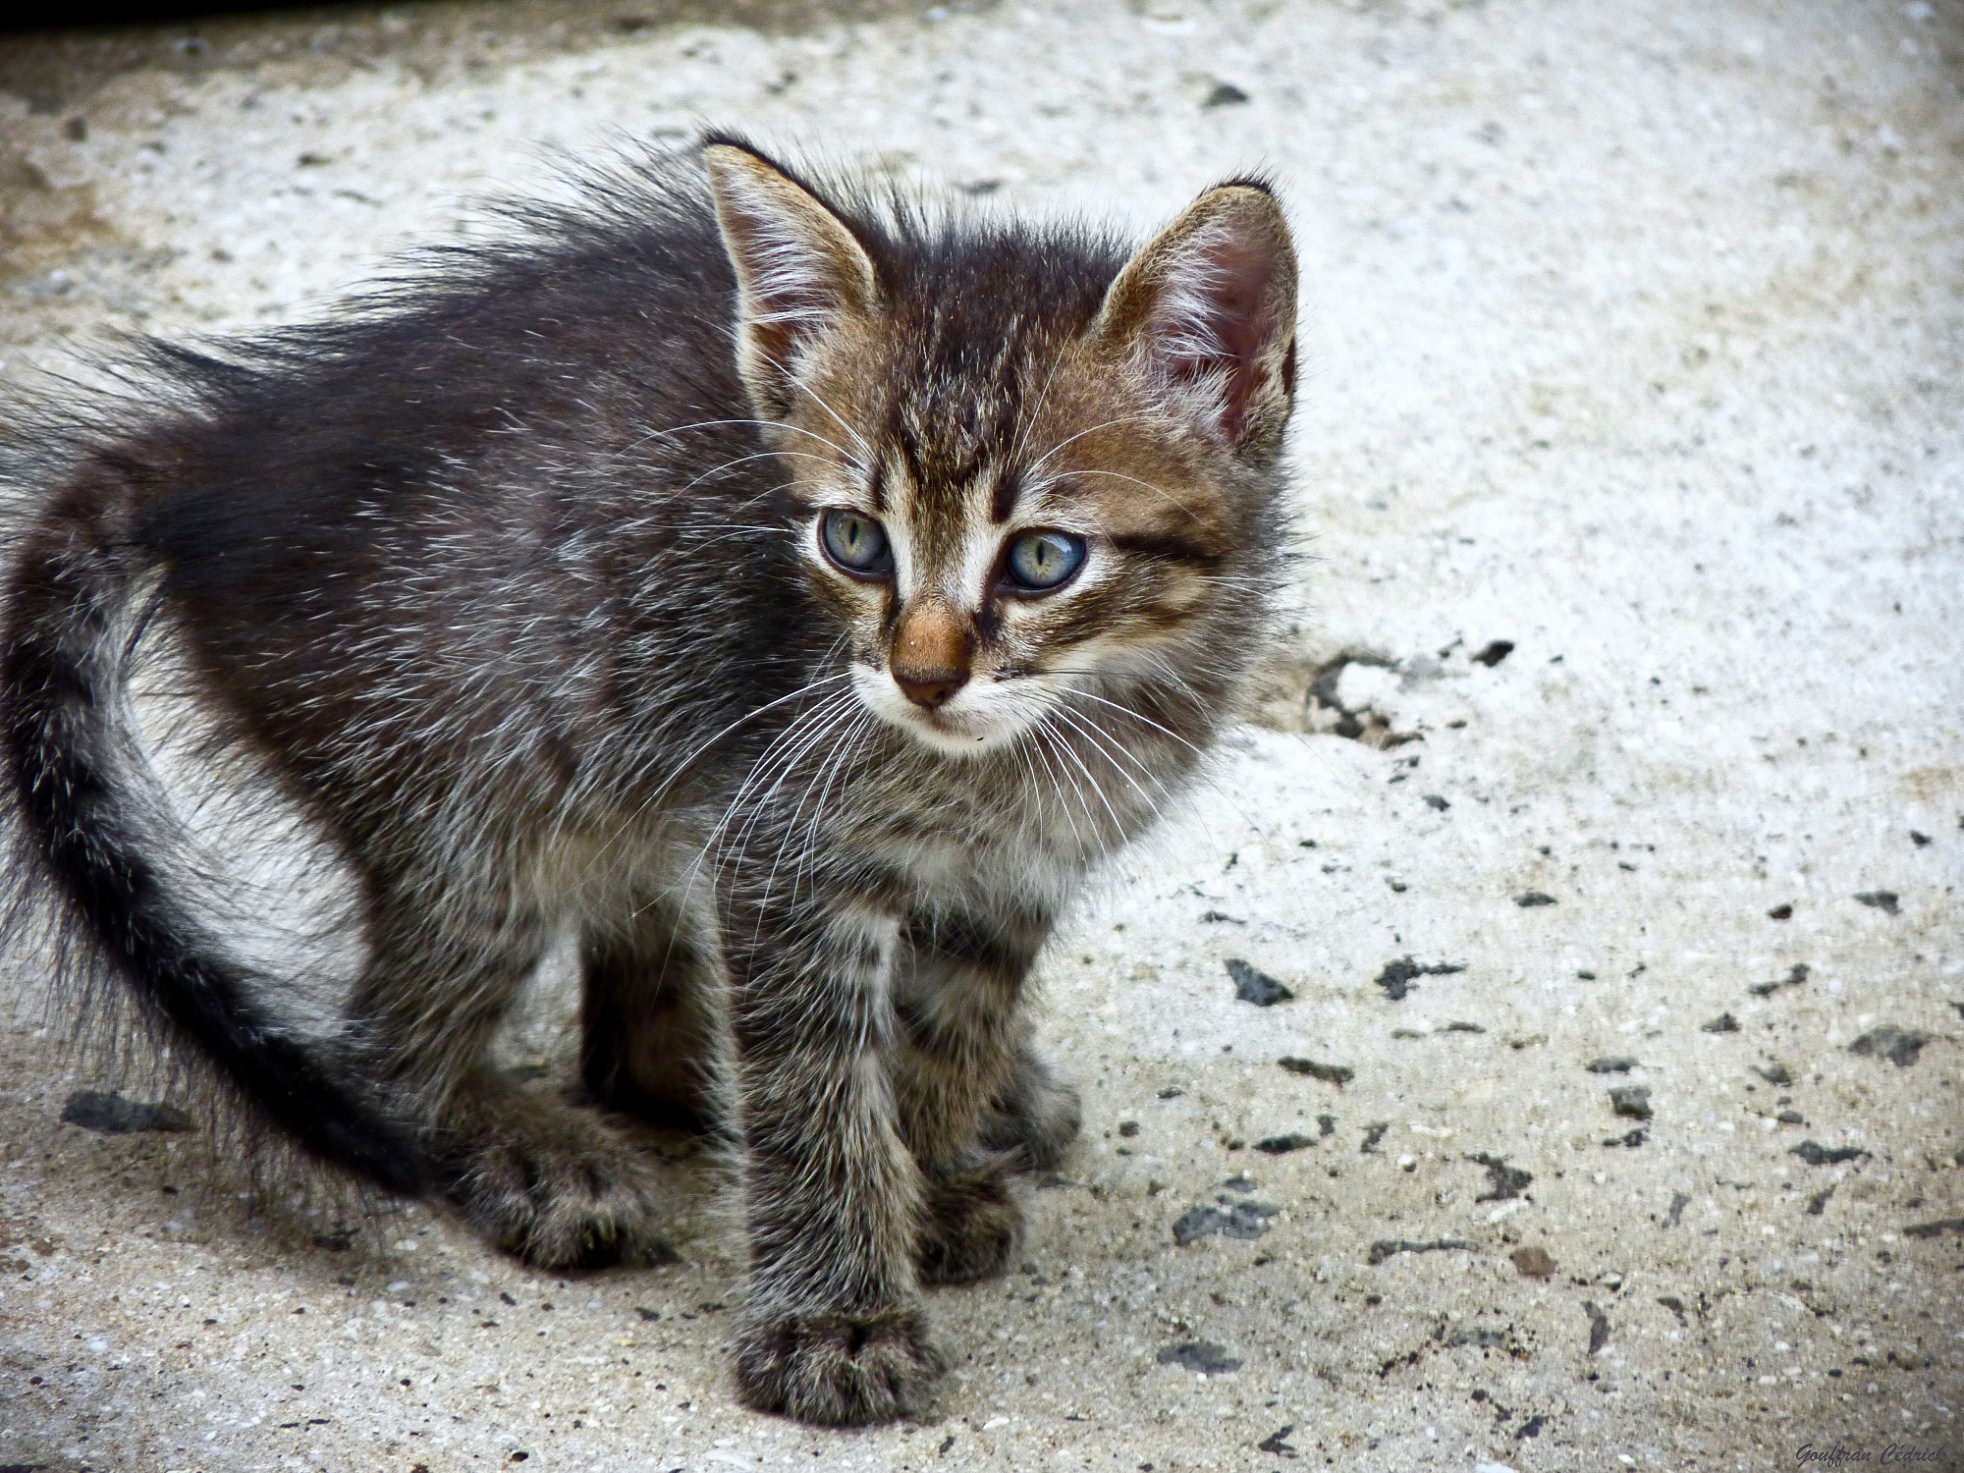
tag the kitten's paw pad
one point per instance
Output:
(971, 1232)
(839, 1369)
(560, 1203)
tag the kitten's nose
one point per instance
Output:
(931, 650)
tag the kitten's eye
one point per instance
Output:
(857, 544)
(1041, 561)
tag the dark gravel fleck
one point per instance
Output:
(1613, 1064)
(1679, 1201)
(1528, 899)
(1172, 1092)
(1534, 1263)
(1934, 1229)
(1325, 1125)
(111, 1114)
(1225, 94)
(1818, 1203)
(1882, 900)
(1230, 1220)
(1899, 1046)
(1781, 913)
(1496, 651)
(1199, 1355)
(1257, 987)
(1796, 974)
(1503, 1181)
(1128, 1128)
(1774, 1073)
(1274, 1444)
(1336, 1074)
(1240, 1182)
(1633, 1139)
(1723, 1023)
(1816, 1154)
(1222, 916)
(1598, 1326)
(1531, 1428)
(1674, 1304)
(1462, 1027)
(1399, 977)
(1391, 1247)
(1632, 1100)
(1373, 1133)
(1436, 802)
(1791, 1117)
(1918, 839)
(1282, 1145)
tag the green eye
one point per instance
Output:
(857, 544)
(1041, 561)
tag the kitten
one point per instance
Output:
(794, 593)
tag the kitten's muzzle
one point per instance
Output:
(931, 652)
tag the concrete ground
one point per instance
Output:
(1622, 693)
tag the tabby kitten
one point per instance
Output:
(792, 593)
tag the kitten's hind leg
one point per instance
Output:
(651, 1027)
(555, 1185)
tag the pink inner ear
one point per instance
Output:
(1218, 325)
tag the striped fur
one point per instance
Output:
(514, 582)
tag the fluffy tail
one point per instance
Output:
(73, 775)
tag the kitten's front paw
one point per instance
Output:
(973, 1226)
(1036, 1119)
(839, 1369)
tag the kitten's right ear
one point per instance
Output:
(800, 271)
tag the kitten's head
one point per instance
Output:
(1032, 472)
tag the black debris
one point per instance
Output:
(1534, 1263)
(1679, 1201)
(1816, 1154)
(1723, 1023)
(1391, 1247)
(1504, 1182)
(1796, 974)
(1436, 802)
(1613, 1064)
(108, 1113)
(1325, 1125)
(1462, 1027)
(1225, 94)
(1531, 1428)
(1918, 839)
(647, 1314)
(1399, 977)
(1496, 651)
(1255, 986)
(1240, 1182)
(1818, 1203)
(1598, 1326)
(1128, 1128)
(1632, 1100)
(1373, 1133)
(1633, 1139)
(1774, 1073)
(1222, 916)
(1336, 1074)
(1199, 1355)
(1791, 1117)
(1899, 1046)
(1229, 1220)
(1781, 913)
(1274, 1443)
(1171, 1092)
(1282, 1145)
(1934, 1229)
(1528, 899)
(1882, 900)
(946, 1443)
(1674, 1304)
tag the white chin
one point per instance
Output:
(940, 734)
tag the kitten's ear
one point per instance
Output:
(799, 271)
(1207, 314)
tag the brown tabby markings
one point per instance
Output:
(533, 619)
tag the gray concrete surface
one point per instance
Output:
(1637, 335)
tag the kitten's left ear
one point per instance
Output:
(800, 271)
(1207, 314)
